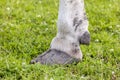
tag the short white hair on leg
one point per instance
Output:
(72, 30)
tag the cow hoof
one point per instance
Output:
(53, 56)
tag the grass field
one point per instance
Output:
(28, 26)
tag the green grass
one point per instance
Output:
(28, 26)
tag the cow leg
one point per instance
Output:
(72, 30)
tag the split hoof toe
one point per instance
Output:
(54, 56)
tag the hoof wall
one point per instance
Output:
(54, 56)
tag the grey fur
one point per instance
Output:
(77, 22)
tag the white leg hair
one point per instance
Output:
(72, 30)
(72, 24)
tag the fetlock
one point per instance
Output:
(68, 45)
